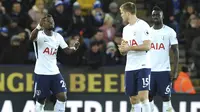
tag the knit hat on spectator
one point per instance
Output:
(93, 43)
(113, 5)
(76, 5)
(4, 29)
(59, 2)
(97, 4)
(58, 29)
(111, 45)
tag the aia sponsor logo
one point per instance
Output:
(50, 51)
(157, 46)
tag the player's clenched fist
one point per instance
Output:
(40, 25)
(124, 47)
(76, 44)
(124, 42)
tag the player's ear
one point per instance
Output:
(162, 15)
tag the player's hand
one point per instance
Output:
(40, 25)
(76, 44)
(124, 42)
(123, 48)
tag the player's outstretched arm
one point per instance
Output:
(175, 51)
(34, 33)
(69, 50)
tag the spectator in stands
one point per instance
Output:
(117, 41)
(78, 22)
(4, 21)
(4, 18)
(112, 57)
(196, 54)
(190, 10)
(75, 59)
(94, 57)
(183, 83)
(60, 15)
(190, 34)
(107, 28)
(22, 19)
(99, 37)
(97, 16)
(37, 12)
(114, 12)
(16, 48)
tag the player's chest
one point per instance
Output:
(132, 36)
(50, 42)
(131, 33)
(160, 37)
(160, 42)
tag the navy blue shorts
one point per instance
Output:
(160, 84)
(45, 85)
(137, 80)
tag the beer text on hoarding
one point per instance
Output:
(95, 83)
(89, 83)
(16, 82)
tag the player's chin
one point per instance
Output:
(51, 28)
(123, 53)
(156, 21)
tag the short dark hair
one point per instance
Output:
(47, 16)
(156, 8)
(118, 35)
(16, 2)
(98, 30)
(185, 68)
(129, 7)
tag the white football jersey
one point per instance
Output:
(46, 48)
(162, 39)
(135, 35)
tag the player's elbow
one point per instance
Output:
(33, 37)
(147, 47)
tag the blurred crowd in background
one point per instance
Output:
(96, 23)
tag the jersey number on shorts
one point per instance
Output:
(63, 83)
(168, 89)
(145, 82)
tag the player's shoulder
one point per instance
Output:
(142, 23)
(57, 35)
(126, 26)
(169, 29)
(41, 32)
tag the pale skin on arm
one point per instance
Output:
(124, 47)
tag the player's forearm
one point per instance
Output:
(176, 58)
(69, 50)
(143, 47)
(34, 34)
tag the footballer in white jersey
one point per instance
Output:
(47, 75)
(163, 39)
(136, 43)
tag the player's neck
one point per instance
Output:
(157, 26)
(48, 32)
(132, 19)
